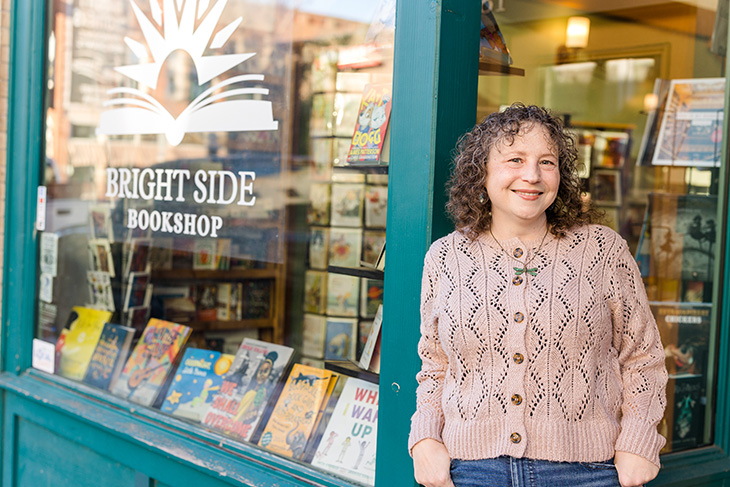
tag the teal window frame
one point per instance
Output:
(434, 103)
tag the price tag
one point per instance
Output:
(44, 354)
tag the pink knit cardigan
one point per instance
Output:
(566, 365)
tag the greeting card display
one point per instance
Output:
(372, 244)
(345, 247)
(319, 204)
(315, 291)
(347, 205)
(343, 295)
(341, 339)
(376, 206)
(319, 247)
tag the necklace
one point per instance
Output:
(524, 269)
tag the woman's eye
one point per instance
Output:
(516, 160)
(548, 162)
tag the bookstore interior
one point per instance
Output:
(214, 187)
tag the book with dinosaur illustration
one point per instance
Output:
(151, 360)
(237, 407)
(109, 355)
(198, 377)
(295, 415)
(84, 331)
(348, 444)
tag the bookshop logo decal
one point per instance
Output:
(140, 113)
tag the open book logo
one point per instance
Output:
(211, 111)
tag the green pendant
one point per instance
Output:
(520, 270)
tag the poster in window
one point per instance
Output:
(691, 128)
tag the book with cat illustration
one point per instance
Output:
(371, 125)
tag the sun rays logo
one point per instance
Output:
(213, 110)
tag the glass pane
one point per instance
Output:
(641, 85)
(217, 185)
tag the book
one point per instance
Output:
(371, 125)
(348, 444)
(139, 255)
(139, 290)
(85, 326)
(151, 360)
(372, 243)
(100, 256)
(294, 417)
(256, 299)
(206, 302)
(340, 339)
(109, 355)
(204, 254)
(226, 306)
(684, 330)
(198, 377)
(373, 338)
(100, 222)
(223, 254)
(491, 41)
(239, 405)
(318, 212)
(690, 133)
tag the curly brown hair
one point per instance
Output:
(469, 174)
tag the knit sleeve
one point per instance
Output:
(428, 420)
(641, 358)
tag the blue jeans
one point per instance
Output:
(524, 472)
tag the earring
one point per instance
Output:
(482, 198)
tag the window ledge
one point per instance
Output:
(218, 456)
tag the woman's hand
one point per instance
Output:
(633, 470)
(432, 463)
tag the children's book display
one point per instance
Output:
(348, 445)
(151, 360)
(239, 404)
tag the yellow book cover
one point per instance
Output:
(81, 340)
(295, 414)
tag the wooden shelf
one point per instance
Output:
(227, 275)
(368, 272)
(363, 168)
(492, 68)
(237, 325)
(351, 369)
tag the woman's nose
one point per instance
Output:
(531, 172)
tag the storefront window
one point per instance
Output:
(216, 186)
(641, 85)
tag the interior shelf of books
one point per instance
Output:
(268, 331)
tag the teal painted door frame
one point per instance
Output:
(434, 102)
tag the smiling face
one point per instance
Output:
(522, 182)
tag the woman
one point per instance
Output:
(542, 363)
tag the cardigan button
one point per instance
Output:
(518, 358)
(519, 317)
(516, 399)
(515, 437)
(517, 280)
(518, 253)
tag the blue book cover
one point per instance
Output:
(341, 339)
(197, 379)
(109, 355)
